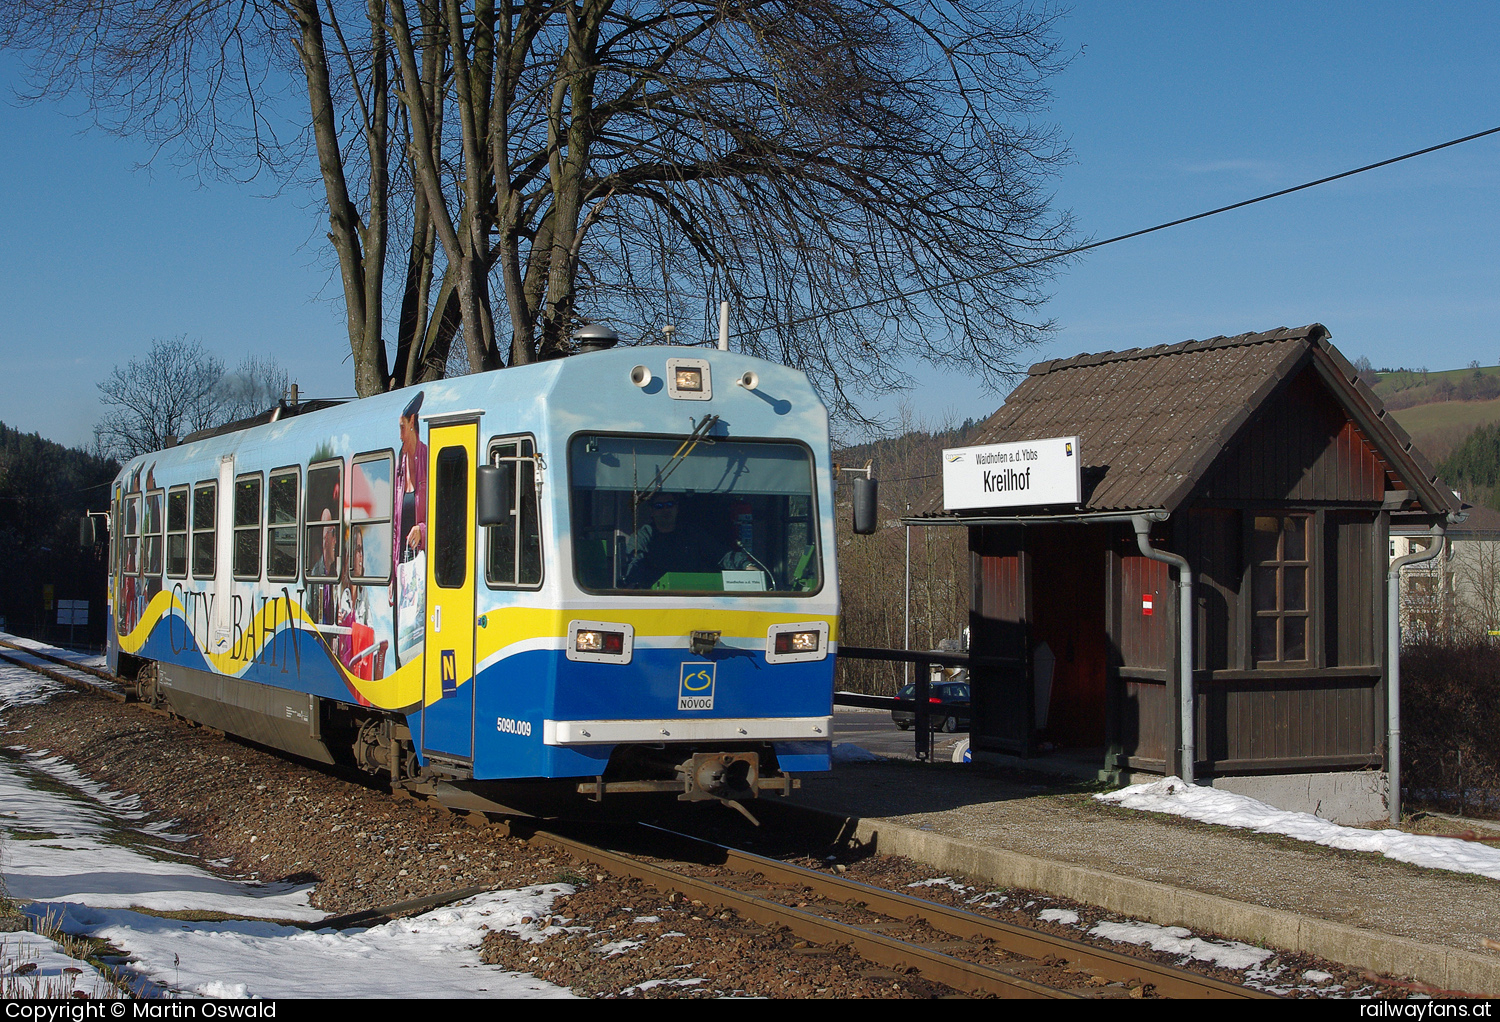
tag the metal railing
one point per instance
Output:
(921, 704)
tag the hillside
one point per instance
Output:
(1440, 409)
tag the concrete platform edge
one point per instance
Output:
(1448, 969)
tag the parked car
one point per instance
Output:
(949, 710)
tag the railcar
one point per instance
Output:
(607, 573)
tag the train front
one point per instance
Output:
(689, 493)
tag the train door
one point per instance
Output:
(448, 717)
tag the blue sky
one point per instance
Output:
(1171, 109)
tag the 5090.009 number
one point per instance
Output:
(513, 727)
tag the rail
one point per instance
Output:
(1032, 964)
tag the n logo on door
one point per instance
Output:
(450, 673)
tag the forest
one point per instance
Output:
(45, 489)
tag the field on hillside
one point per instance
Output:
(1440, 409)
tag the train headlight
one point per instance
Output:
(600, 642)
(689, 379)
(797, 642)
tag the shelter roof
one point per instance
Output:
(1152, 421)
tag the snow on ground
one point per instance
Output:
(35, 967)
(1209, 805)
(848, 752)
(87, 860)
(431, 955)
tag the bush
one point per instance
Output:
(1450, 724)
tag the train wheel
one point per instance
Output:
(147, 690)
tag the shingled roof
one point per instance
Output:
(1151, 421)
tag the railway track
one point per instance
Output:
(960, 949)
(35, 660)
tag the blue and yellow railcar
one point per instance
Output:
(614, 570)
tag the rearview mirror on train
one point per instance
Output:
(492, 490)
(85, 532)
(866, 505)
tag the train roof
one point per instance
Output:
(599, 393)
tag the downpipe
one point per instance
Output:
(1393, 666)
(1187, 752)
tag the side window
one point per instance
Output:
(117, 534)
(281, 525)
(513, 551)
(177, 532)
(369, 505)
(132, 534)
(321, 551)
(247, 527)
(151, 524)
(205, 518)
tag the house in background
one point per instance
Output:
(1456, 595)
(1264, 462)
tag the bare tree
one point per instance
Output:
(864, 179)
(177, 388)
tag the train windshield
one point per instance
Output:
(659, 515)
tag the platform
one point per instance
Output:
(1010, 828)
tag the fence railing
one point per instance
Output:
(921, 704)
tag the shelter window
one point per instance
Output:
(369, 511)
(151, 534)
(247, 527)
(281, 525)
(514, 549)
(324, 486)
(205, 520)
(1281, 565)
(177, 532)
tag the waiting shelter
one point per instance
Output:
(1250, 479)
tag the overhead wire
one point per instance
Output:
(1024, 264)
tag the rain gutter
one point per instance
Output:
(1187, 751)
(1393, 668)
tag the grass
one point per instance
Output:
(21, 979)
(1436, 415)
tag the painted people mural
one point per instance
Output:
(409, 536)
(324, 486)
(141, 558)
(365, 629)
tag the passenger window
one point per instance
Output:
(133, 534)
(514, 549)
(247, 527)
(177, 532)
(324, 483)
(369, 512)
(204, 522)
(151, 534)
(281, 526)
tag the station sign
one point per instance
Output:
(1023, 474)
